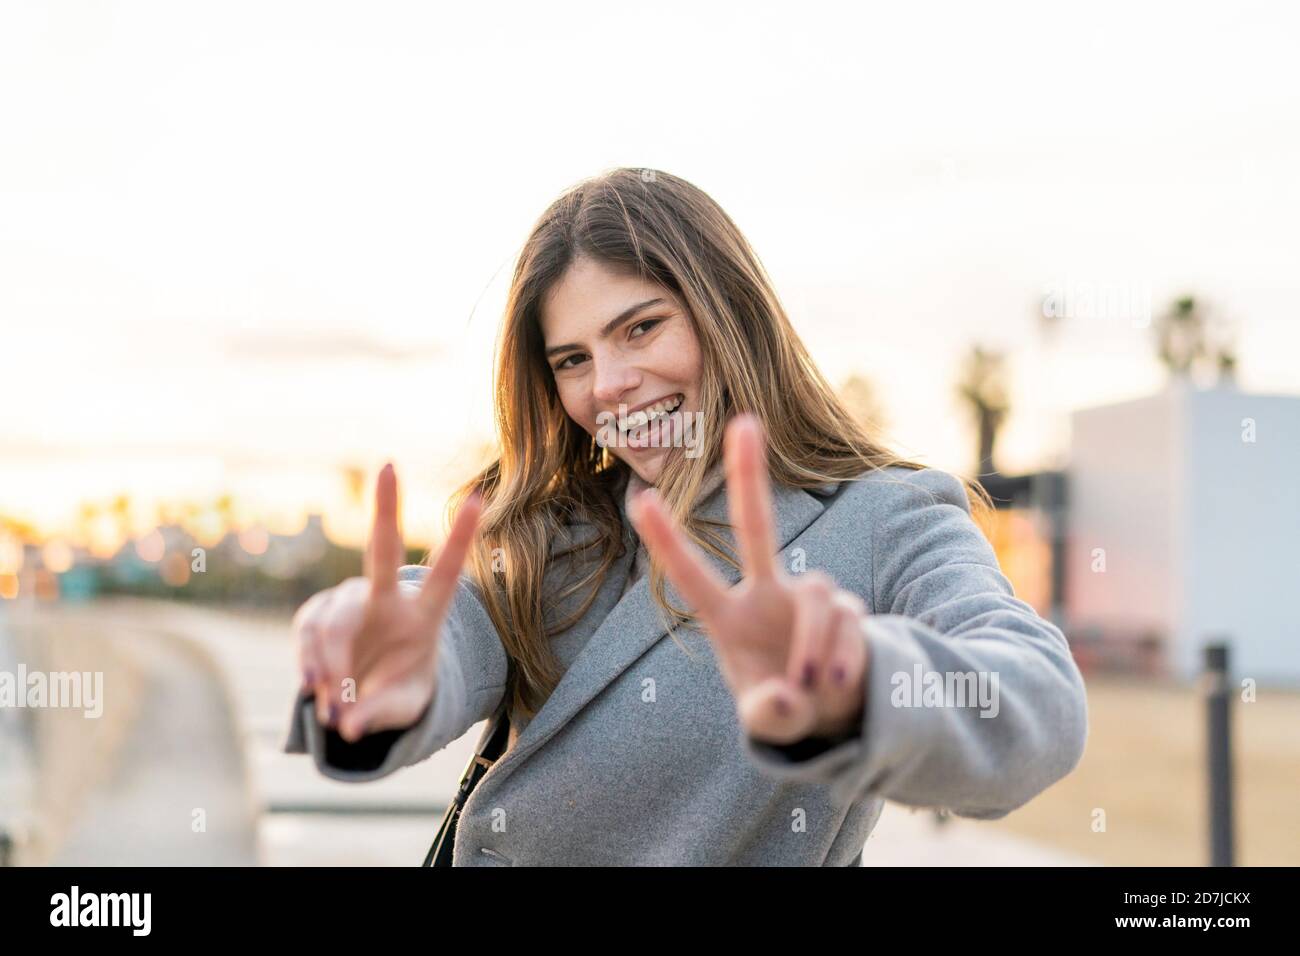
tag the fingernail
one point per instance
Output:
(334, 714)
(782, 706)
(837, 673)
(309, 678)
(809, 673)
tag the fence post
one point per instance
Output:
(1219, 756)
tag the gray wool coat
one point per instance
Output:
(973, 703)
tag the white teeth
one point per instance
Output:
(644, 415)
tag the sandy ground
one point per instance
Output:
(1144, 769)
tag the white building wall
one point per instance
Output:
(1200, 529)
(1243, 528)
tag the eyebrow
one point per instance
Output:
(611, 325)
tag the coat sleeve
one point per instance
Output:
(471, 682)
(948, 617)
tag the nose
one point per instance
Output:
(614, 378)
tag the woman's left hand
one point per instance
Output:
(792, 649)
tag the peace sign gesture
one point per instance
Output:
(385, 639)
(792, 650)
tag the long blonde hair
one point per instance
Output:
(551, 471)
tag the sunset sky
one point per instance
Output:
(244, 246)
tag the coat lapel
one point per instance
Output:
(635, 623)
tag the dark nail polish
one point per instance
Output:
(334, 714)
(809, 672)
(783, 707)
(837, 673)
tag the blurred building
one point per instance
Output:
(1184, 515)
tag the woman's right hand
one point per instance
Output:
(381, 637)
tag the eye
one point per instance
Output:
(561, 366)
(648, 322)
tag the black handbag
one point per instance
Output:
(496, 736)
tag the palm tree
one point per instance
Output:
(1227, 364)
(87, 515)
(1180, 337)
(354, 478)
(121, 510)
(863, 403)
(982, 387)
(1184, 343)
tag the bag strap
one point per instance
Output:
(495, 740)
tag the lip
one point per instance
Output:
(666, 431)
(655, 401)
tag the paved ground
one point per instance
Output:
(195, 718)
(907, 837)
(206, 732)
(157, 778)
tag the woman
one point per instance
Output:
(679, 693)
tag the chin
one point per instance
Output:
(648, 471)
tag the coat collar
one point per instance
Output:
(635, 623)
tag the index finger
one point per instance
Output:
(440, 584)
(750, 496)
(384, 555)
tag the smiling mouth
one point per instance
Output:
(644, 416)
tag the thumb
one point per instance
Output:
(774, 711)
(395, 706)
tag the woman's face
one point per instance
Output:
(617, 345)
